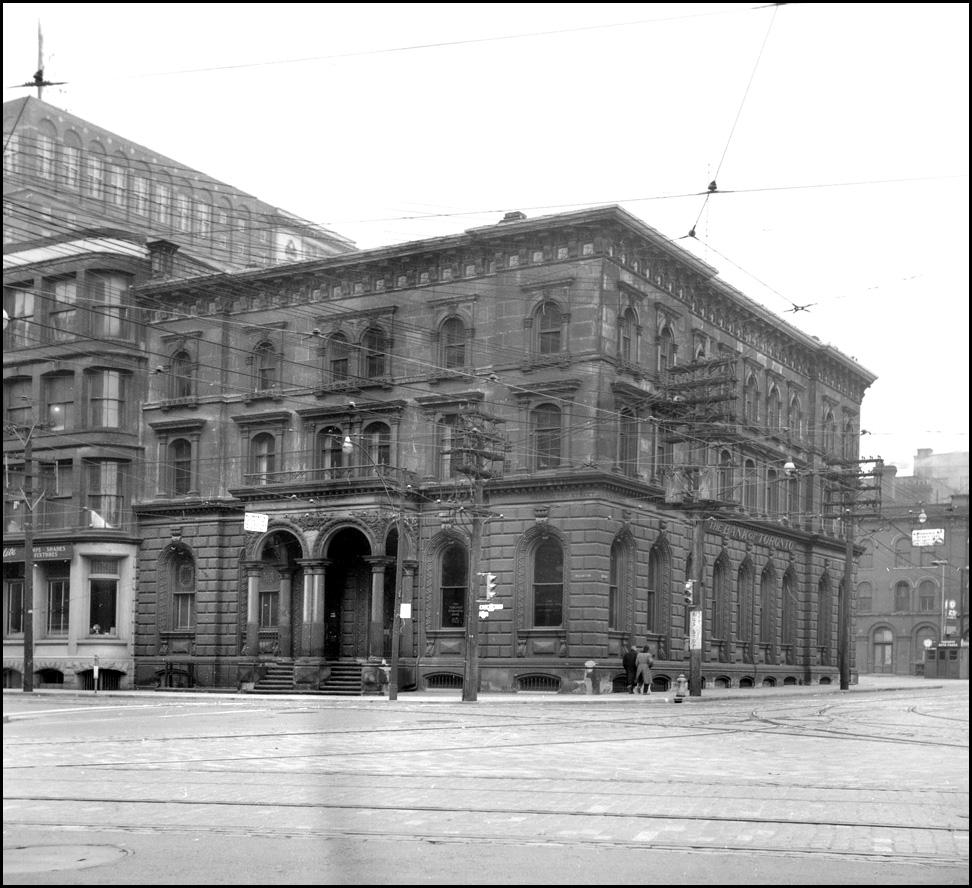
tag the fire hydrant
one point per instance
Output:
(681, 687)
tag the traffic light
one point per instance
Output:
(490, 585)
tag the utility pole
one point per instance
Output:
(396, 615)
(478, 444)
(844, 604)
(697, 609)
(30, 504)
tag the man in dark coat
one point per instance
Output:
(629, 661)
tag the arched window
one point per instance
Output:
(627, 327)
(865, 593)
(377, 439)
(453, 588)
(902, 596)
(789, 609)
(628, 442)
(849, 440)
(263, 458)
(182, 579)
(774, 410)
(94, 172)
(796, 421)
(745, 578)
(615, 586)
(657, 569)
(666, 348)
(924, 634)
(751, 399)
(330, 455)
(71, 160)
(767, 605)
(926, 596)
(750, 486)
(182, 376)
(266, 365)
(721, 600)
(882, 647)
(726, 492)
(824, 614)
(830, 432)
(118, 181)
(46, 151)
(548, 583)
(549, 329)
(902, 552)
(547, 436)
(180, 467)
(453, 344)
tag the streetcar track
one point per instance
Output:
(937, 860)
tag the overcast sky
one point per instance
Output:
(837, 134)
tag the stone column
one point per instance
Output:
(285, 635)
(251, 646)
(375, 617)
(312, 609)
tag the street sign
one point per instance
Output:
(256, 522)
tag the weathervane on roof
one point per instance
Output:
(38, 79)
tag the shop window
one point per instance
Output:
(58, 597)
(548, 584)
(454, 581)
(13, 599)
(103, 594)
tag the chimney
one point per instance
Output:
(515, 216)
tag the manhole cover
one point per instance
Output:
(47, 858)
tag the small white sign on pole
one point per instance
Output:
(256, 522)
(406, 610)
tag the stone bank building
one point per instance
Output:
(308, 432)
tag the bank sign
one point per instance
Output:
(931, 536)
(62, 552)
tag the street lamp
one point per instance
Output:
(348, 448)
(942, 565)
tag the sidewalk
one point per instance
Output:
(866, 684)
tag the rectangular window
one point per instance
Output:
(103, 589)
(116, 185)
(184, 595)
(18, 302)
(94, 183)
(59, 402)
(104, 487)
(269, 600)
(18, 406)
(107, 400)
(72, 165)
(58, 597)
(140, 195)
(63, 311)
(182, 208)
(108, 293)
(58, 509)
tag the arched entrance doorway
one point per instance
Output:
(348, 594)
(280, 582)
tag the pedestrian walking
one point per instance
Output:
(643, 663)
(629, 661)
